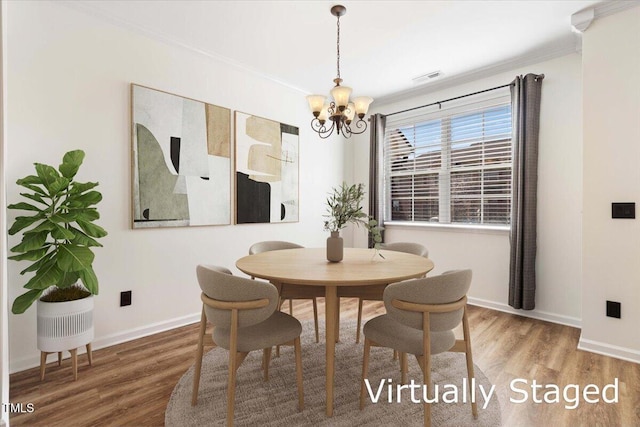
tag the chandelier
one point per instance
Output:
(340, 112)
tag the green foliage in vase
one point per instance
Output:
(344, 207)
(58, 235)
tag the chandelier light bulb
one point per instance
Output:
(340, 95)
(316, 102)
(362, 105)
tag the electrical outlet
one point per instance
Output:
(614, 309)
(125, 298)
(623, 210)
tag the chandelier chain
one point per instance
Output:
(338, 47)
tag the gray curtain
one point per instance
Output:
(376, 141)
(525, 109)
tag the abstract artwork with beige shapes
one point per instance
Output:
(266, 170)
(181, 161)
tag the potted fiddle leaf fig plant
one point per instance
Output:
(57, 239)
(344, 207)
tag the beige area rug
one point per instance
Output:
(274, 403)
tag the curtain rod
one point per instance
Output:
(451, 99)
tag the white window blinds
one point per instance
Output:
(450, 165)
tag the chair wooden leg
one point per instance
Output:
(403, 367)
(469, 357)
(315, 318)
(74, 363)
(198, 363)
(266, 359)
(233, 346)
(89, 355)
(365, 370)
(59, 358)
(291, 306)
(298, 351)
(280, 308)
(395, 354)
(426, 371)
(43, 364)
(359, 326)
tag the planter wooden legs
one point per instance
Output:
(74, 361)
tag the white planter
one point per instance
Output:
(66, 325)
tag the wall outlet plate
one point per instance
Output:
(614, 309)
(125, 298)
(623, 210)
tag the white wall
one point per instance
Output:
(68, 83)
(4, 321)
(611, 250)
(558, 267)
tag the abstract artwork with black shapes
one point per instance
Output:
(182, 161)
(267, 172)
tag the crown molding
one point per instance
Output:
(86, 7)
(607, 8)
(571, 45)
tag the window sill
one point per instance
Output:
(459, 228)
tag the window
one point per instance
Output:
(449, 166)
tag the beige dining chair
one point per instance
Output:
(291, 292)
(245, 318)
(421, 316)
(407, 247)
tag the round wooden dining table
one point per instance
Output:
(360, 270)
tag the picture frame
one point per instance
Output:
(266, 170)
(181, 160)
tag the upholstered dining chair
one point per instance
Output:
(245, 318)
(291, 292)
(407, 247)
(421, 316)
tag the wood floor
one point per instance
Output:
(130, 384)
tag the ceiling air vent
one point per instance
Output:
(427, 77)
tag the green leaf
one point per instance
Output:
(85, 199)
(63, 218)
(86, 214)
(71, 163)
(24, 206)
(25, 300)
(90, 280)
(68, 279)
(30, 179)
(35, 197)
(47, 275)
(59, 185)
(36, 189)
(92, 230)
(74, 258)
(30, 256)
(46, 225)
(81, 187)
(22, 222)
(47, 174)
(31, 241)
(36, 265)
(82, 239)
(61, 233)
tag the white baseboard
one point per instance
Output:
(534, 314)
(33, 361)
(609, 350)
